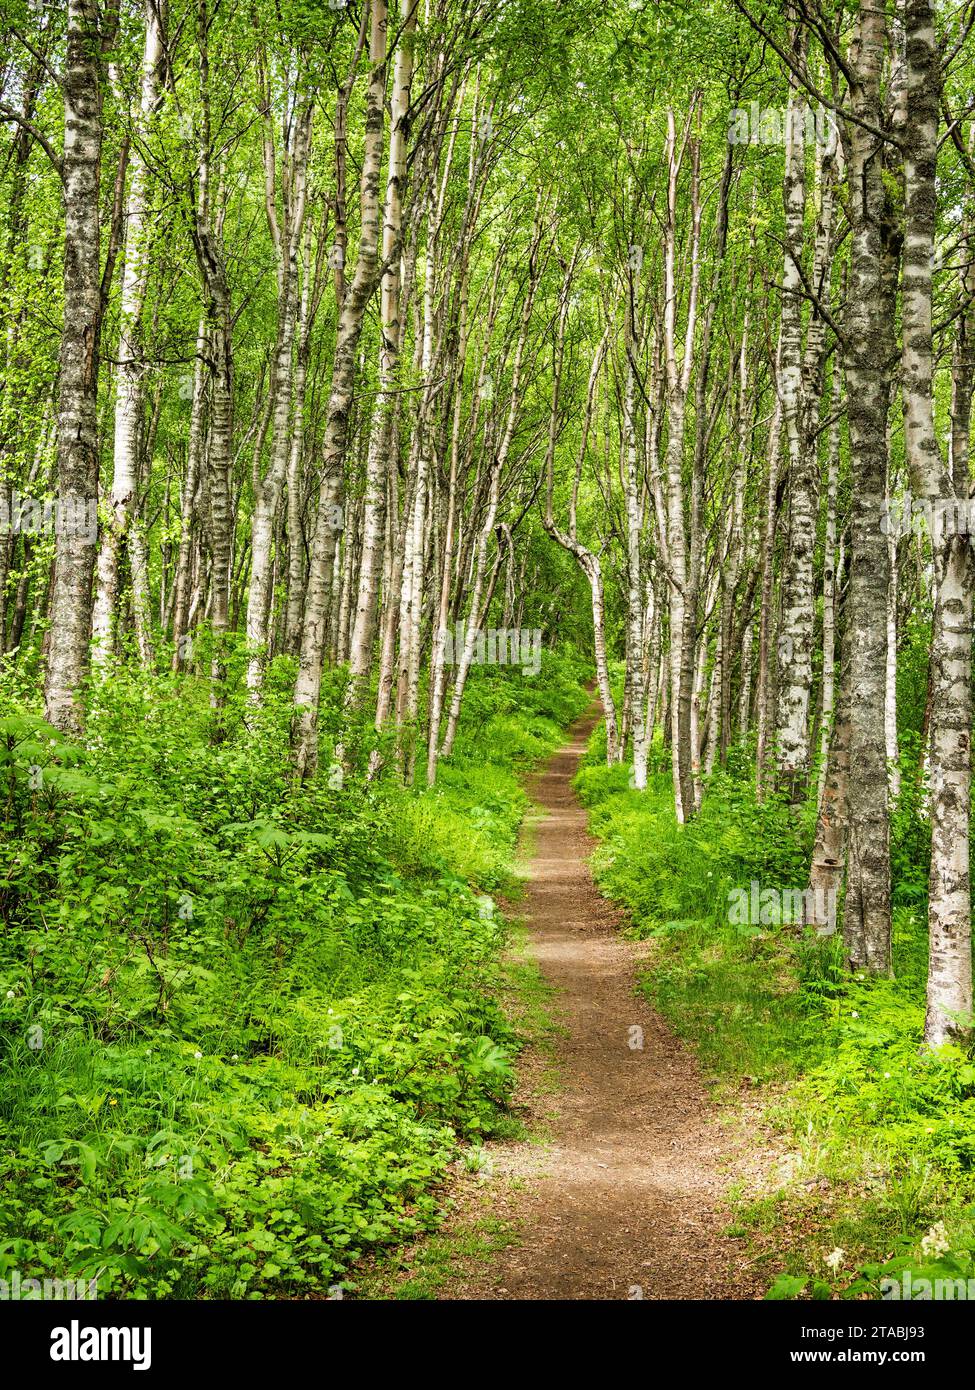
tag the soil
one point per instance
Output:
(627, 1199)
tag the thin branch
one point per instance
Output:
(7, 113)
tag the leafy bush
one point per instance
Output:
(663, 871)
(888, 1126)
(243, 1025)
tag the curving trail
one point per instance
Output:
(626, 1201)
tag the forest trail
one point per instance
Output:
(628, 1195)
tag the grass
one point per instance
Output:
(881, 1135)
(441, 1261)
(425, 1271)
(528, 1000)
(247, 1028)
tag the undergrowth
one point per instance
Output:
(245, 1025)
(884, 1174)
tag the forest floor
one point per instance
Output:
(618, 1190)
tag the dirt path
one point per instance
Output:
(628, 1196)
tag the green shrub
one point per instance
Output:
(244, 1025)
(868, 1109)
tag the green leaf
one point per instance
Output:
(786, 1286)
